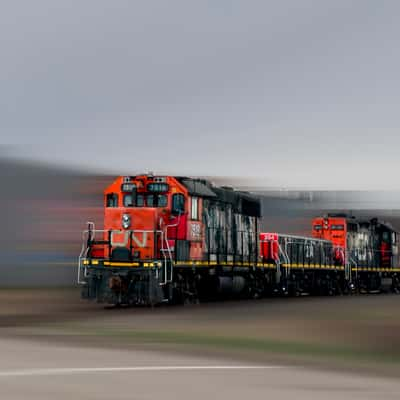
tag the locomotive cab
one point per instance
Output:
(143, 216)
(334, 228)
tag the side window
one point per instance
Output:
(178, 204)
(112, 200)
(386, 237)
(194, 209)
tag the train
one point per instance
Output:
(180, 240)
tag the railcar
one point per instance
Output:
(304, 265)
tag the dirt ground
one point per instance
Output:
(361, 332)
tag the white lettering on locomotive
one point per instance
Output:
(125, 241)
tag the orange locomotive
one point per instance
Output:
(369, 248)
(170, 239)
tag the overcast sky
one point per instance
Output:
(294, 93)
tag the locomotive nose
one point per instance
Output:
(134, 234)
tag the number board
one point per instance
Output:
(158, 187)
(127, 187)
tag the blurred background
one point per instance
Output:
(45, 208)
(296, 101)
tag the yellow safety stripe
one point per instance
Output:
(239, 264)
(369, 269)
(120, 264)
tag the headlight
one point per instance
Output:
(126, 221)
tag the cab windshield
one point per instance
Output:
(146, 200)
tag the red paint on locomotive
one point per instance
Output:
(331, 228)
(335, 230)
(269, 246)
